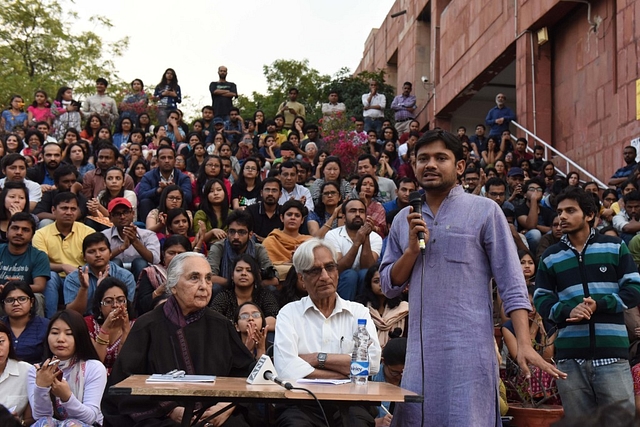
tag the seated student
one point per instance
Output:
(172, 197)
(14, 198)
(391, 369)
(74, 400)
(213, 212)
(80, 285)
(266, 211)
(251, 325)
(62, 241)
(14, 169)
(281, 244)
(13, 382)
(130, 244)
(19, 260)
(179, 222)
(65, 178)
(27, 330)
(245, 286)
(327, 214)
(389, 315)
(111, 321)
(292, 289)
(223, 253)
(357, 245)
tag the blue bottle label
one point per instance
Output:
(360, 369)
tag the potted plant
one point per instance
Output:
(533, 402)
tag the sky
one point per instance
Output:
(194, 37)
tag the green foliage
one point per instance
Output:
(351, 88)
(40, 50)
(313, 89)
(281, 75)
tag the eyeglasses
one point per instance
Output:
(110, 302)
(246, 316)
(536, 189)
(121, 213)
(330, 193)
(11, 300)
(250, 169)
(174, 198)
(237, 232)
(317, 271)
(393, 372)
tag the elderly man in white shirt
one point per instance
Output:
(373, 104)
(314, 336)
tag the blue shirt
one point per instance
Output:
(497, 113)
(29, 346)
(72, 285)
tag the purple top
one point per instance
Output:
(469, 243)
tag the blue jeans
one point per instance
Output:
(588, 387)
(52, 294)
(137, 265)
(350, 283)
(373, 124)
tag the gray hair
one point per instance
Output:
(176, 268)
(304, 256)
(310, 144)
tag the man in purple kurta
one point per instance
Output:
(450, 321)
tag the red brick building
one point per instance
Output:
(576, 91)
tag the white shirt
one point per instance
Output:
(329, 109)
(377, 99)
(13, 386)
(35, 191)
(340, 240)
(297, 193)
(303, 329)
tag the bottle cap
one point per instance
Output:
(362, 322)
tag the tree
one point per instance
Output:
(351, 88)
(281, 75)
(40, 50)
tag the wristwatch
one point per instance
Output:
(322, 357)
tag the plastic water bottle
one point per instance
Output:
(360, 355)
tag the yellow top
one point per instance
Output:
(68, 251)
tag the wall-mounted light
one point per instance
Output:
(543, 36)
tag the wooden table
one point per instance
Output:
(237, 390)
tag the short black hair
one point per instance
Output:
(494, 182)
(481, 125)
(395, 351)
(236, 109)
(11, 158)
(271, 180)
(165, 147)
(584, 199)
(23, 216)
(633, 196)
(471, 169)
(372, 159)
(108, 146)
(407, 84)
(94, 239)
(296, 204)
(451, 142)
(102, 80)
(64, 196)
(537, 180)
(288, 164)
(242, 218)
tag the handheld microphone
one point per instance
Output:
(268, 375)
(415, 201)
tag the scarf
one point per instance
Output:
(229, 256)
(173, 312)
(73, 371)
(390, 319)
(157, 275)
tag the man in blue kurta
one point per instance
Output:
(451, 359)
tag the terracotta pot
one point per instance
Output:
(534, 417)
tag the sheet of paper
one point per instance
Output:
(161, 378)
(322, 381)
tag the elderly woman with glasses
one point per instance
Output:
(27, 329)
(172, 336)
(110, 323)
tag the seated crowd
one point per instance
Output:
(125, 245)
